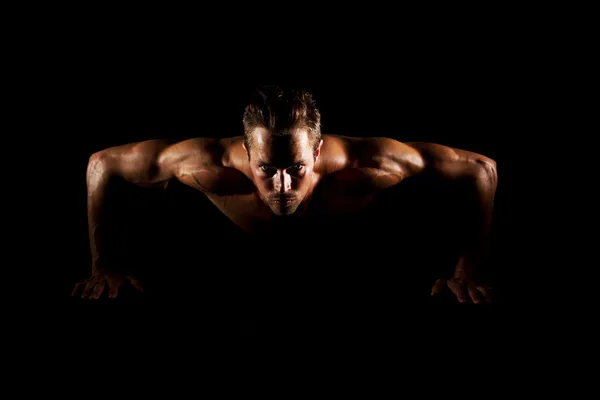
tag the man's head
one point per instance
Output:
(282, 136)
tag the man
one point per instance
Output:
(282, 173)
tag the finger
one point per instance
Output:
(98, 290)
(438, 285)
(113, 288)
(78, 287)
(136, 283)
(474, 294)
(458, 290)
(88, 288)
(487, 293)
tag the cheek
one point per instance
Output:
(303, 182)
(264, 185)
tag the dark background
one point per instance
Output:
(96, 94)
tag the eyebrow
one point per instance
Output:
(261, 162)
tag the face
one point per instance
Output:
(282, 167)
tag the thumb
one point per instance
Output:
(439, 284)
(136, 283)
(113, 286)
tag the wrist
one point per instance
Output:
(98, 265)
(468, 267)
(464, 267)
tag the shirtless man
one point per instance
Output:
(283, 168)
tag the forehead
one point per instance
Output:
(294, 145)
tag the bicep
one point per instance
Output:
(141, 163)
(455, 164)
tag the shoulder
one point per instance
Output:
(218, 152)
(452, 163)
(200, 146)
(399, 158)
(379, 153)
(434, 154)
(214, 166)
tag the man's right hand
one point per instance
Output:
(101, 280)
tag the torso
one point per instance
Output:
(346, 214)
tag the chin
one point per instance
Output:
(283, 211)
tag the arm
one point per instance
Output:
(145, 164)
(149, 164)
(479, 174)
(391, 161)
(196, 162)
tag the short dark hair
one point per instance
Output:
(280, 110)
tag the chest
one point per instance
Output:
(327, 204)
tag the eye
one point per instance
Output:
(298, 166)
(264, 167)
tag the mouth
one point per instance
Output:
(285, 202)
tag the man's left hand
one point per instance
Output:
(465, 290)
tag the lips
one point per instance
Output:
(283, 201)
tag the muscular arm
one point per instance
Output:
(200, 163)
(387, 162)
(476, 180)
(196, 162)
(479, 178)
(147, 164)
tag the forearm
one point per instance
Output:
(473, 248)
(98, 178)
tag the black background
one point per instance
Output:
(95, 92)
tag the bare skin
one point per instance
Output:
(283, 177)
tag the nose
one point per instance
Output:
(282, 182)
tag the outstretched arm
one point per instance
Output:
(196, 162)
(145, 164)
(150, 163)
(481, 178)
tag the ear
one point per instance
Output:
(318, 149)
(245, 148)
